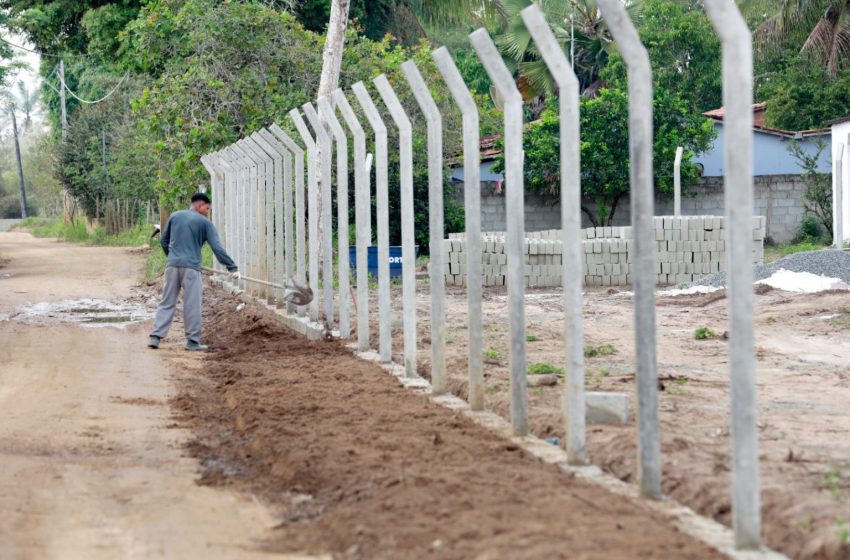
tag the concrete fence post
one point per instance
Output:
(515, 220)
(230, 160)
(262, 211)
(436, 267)
(328, 115)
(250, 202)
(568, 86)
(408, 252)
(242, 208)
(300, 244)
(838, 204)
(643, 262)
(472, 216)
(312, 209)
(362, 216)
(737, 57)
(208, 161)
(276, 208)
(677, 182)
(382, 196)
(323, 139)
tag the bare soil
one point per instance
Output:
(359, 467)
(803, 352)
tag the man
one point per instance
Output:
(185, 233)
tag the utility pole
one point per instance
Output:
(20, 165)
(62, 98)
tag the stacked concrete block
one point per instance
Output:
(689, 247)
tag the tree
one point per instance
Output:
(817, 198)
(802, 95)
(10, 110)
(822, 26)
(605, 150)
(684, 53)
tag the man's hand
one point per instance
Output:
(235, 275)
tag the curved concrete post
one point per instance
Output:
(362, 216)
(408, 252)
(515, 220)
(323, 139)
(283, 211)
(561, 70)
(381, 194)
(262, 214)
(208, 161)
(677, 182)
(437, 277)
(243, 210)
(231, 160)
(274, 213)
(328, 116)
(267, 213)
(300, 243)
(312, 206)
(643, 262)
(255, 238)
(472, 217)
(737, 48)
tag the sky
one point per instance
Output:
(30, 75)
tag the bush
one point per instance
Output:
(810, 230)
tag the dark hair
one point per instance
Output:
(200, 196)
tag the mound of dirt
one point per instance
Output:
(358, 467)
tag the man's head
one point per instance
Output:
(201, 203)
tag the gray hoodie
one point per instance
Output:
(185, 233)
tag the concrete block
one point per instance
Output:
(607, 408)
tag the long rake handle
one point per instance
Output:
(246, 278)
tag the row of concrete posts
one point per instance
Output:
(259, 204)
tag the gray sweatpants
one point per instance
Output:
(190, 280)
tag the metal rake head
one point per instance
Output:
(296, 293)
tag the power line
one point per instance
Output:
(81, 100)
(42, 54)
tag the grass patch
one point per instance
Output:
(776, 252)
(591, 351)
(531, 338)
(544, 369)
(704, 333)
(491, 354)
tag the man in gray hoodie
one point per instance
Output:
(185, 233)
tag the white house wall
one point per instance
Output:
(841, 134)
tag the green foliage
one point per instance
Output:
(492, 354)
(801, 94)
(684, 53)
(591, 351)
(531, 338)
(704, 333)
(605, 150)
(817, 199)
(544, 369)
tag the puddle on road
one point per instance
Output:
(84, 312)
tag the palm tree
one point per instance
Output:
(824, 25)
(27, 101)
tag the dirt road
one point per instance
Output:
(91, 464)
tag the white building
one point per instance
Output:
(841, 143)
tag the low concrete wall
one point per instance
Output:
(688, 248)
(779, 198)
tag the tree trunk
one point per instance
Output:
(20, 165)
(331, 62)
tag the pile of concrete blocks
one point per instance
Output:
(689, 247)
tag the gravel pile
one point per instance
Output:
(828, 262)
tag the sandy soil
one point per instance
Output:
(804, 389)
(359, 467)
(92, 462)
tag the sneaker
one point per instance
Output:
(196, 346)
(153, 342)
